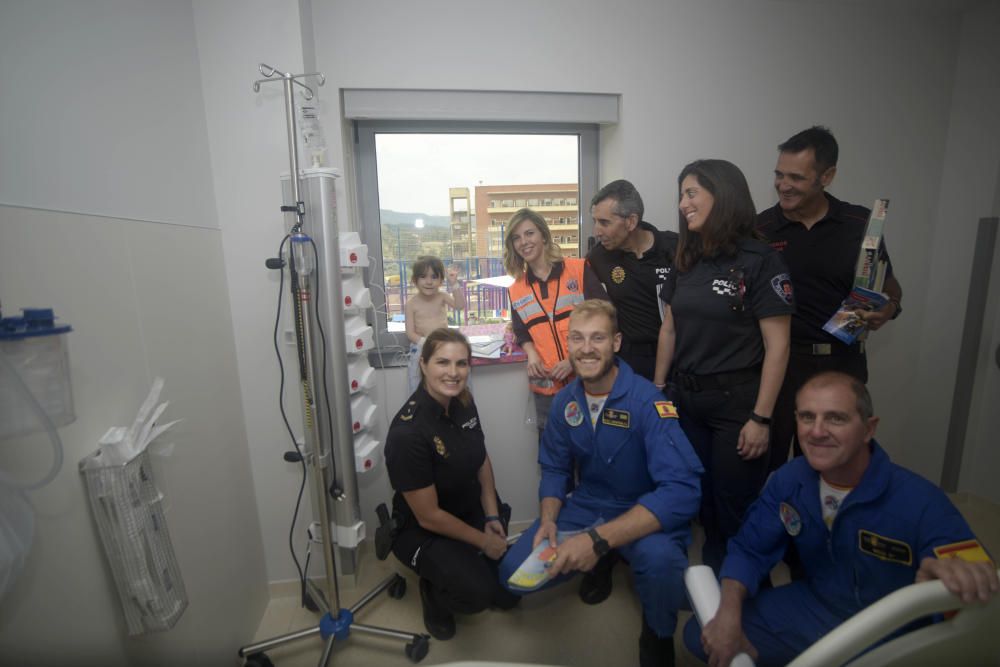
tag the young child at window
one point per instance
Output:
(427, 310)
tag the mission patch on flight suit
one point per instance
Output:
(573, 414)
(885, 548)
(790, 519)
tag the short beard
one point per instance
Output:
(601, 374)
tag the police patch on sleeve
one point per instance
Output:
(885, 548)
(790, 519)
(969, 550)
(782, 286)
(572, 414)
(666, 410)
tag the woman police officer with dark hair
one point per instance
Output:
(725, 336)
(446, 505)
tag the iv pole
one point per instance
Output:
(336, 623)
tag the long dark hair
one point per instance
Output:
(436, 339)
(732, 219)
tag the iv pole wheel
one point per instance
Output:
(397, 589)
(417, 649)
(261, 660)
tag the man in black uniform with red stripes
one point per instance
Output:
(819, 237)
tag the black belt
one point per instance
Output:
(827, 349)
(716, 380)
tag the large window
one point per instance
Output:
(448, 189)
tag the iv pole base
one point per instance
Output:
(332, 628)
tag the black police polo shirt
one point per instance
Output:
(822, 261)
(634, 283)
(427, 447)
(717, 306)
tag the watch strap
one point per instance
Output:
(601, 546)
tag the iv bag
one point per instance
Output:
(311, 132)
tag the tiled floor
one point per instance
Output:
(551, 628)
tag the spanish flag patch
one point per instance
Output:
(969, 550)
(666, 409)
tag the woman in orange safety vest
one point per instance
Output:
(545, 289)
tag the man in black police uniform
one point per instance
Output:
(819, 237)
(633, 259)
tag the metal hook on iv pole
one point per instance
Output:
(270, 72)
(271, 75)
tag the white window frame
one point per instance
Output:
(368, 203)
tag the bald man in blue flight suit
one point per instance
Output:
(863, 525)
(638, 480)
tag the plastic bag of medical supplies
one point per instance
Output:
(128, 510)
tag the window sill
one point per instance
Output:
(397, 359)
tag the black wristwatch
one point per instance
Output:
(601, 546)
(899, 308)
(763, 421)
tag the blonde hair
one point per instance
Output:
(591, 307)
(512, 262)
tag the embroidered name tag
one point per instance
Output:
(613, 417)
(885, 548)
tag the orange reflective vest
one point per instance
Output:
(547, 319)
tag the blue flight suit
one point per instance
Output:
(886, 525)
(637, 454)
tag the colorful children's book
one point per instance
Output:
(534, 571)
(870, 270)
(869, 275)
(845, 324)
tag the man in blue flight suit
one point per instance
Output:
(638, 479)
(863, 525)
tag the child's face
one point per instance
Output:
(429, 284)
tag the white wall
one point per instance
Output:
(697, 79)
(247, 143)
(98, 112)
(102, 115)
(970, 190)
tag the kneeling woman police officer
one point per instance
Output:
(446, 504)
